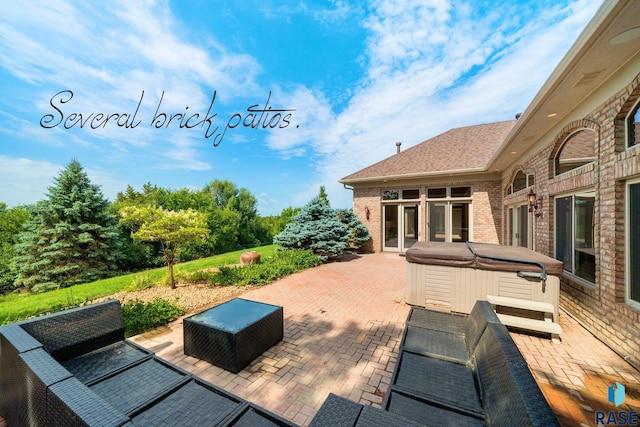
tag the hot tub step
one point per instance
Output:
(532, 324)
(544, 307)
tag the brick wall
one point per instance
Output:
(486, 205)
(602, 307)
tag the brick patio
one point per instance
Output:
(343, 324)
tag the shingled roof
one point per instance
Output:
(460, 149)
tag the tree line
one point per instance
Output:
(75, 235)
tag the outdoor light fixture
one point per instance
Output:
(534, 203)
(367, 212)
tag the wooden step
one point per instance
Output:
(532, 325)
(523, 304)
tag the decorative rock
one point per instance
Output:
(250, 257)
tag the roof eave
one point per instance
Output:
(397, 177)
(578, 50)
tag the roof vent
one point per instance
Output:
(588, 78)
(398, 144)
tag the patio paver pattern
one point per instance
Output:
(343, 323)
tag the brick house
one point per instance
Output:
(562, 179)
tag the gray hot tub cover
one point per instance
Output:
(487, 256)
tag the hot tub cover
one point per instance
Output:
(487, 256)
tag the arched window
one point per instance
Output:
(633, 126)
(520, 182)
(577, 150)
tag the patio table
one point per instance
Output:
(233, 334)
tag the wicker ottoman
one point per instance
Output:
(234, 333)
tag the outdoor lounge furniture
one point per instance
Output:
(232, 334)
(486, 382)
(75, 368)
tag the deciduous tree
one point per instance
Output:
(170, 228)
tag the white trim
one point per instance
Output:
(513, 211)
(566, 273)
(627, 261)
(556, 161)
(626, 126)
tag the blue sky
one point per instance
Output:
(344, 81)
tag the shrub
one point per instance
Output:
(199, 276)
(358, 232)
(140, 282)
(139, 316)
(316, 228)
(281, 264)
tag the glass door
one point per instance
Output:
(519, 226)
(391, 227)
(410, 226)
(400, 226)
(437, 221)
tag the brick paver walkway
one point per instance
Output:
(343, 324)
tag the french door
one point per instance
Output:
(519, 226)
(449, 221)
(400, 226)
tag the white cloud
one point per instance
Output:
(108, 55)
(432, 66)
(26, 181)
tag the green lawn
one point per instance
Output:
(17, 307)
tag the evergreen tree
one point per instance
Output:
(358, 232)
(317, 228)
(70, 238)
(324, 196)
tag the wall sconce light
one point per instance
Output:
(534, 203)
(367, 213)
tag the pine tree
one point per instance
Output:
(71, 237)
(358, 232)
(317, 228)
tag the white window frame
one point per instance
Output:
(556, 161)
(448, 201)
(626, 127)
(633, 303)
(569, 274)
(510, 212)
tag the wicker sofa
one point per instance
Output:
(75, 368)
(452, 370)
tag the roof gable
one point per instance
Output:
(460, 149)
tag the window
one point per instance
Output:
(410, 194)
(519, 226)
(436, 193)
(449, 215)
(401, 194)
(633, 126)
(575, 216)
(460, 191)
(520, 182)
(390, 195)
(633, 243)
(577, 150)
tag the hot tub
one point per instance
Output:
(456, 275)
